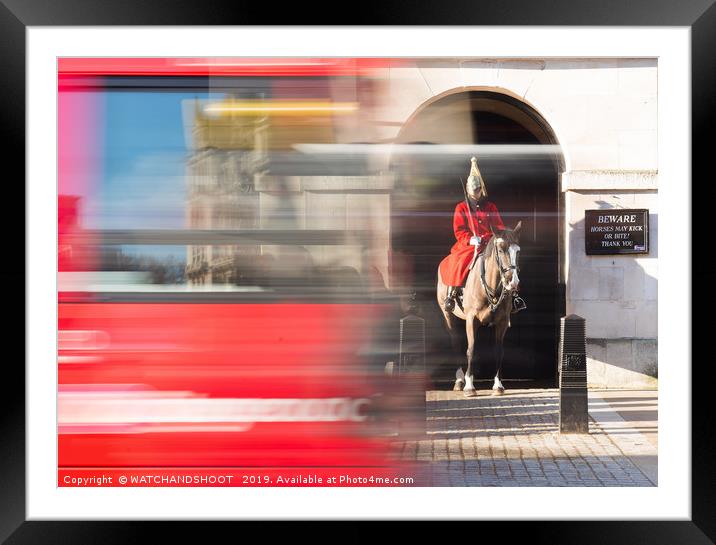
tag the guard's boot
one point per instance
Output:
(449, 303)
(518, 304)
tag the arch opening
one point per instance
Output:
(520, 160)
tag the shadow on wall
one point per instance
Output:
(617, 295)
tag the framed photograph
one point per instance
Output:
(413, 271)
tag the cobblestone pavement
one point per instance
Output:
(513, 440)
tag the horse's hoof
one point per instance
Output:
(459, 385)
(498, 391)
(470, 393)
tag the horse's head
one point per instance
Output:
(507, 246)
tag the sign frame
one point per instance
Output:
(592, 240)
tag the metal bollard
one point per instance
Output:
(412, 345)
(412, 377)
(573, 407)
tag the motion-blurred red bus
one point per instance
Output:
(222, 294)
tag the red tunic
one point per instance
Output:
(453, 269)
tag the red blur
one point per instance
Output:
(216, 351)
(167, 374)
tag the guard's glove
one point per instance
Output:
(475, 241)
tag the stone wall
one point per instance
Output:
(351, 203)
(616, 294)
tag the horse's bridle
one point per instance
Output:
(502, 269)
(493, 298)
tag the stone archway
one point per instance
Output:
(520, 160)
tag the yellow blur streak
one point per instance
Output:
(281, 107)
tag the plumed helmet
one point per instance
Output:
(475, 175)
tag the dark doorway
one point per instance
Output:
(523, 183)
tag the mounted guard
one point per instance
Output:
(485, 261)
(474, 223)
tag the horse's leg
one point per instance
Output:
(471, 329)
(457, 347)
(500, 329)
(451, 322)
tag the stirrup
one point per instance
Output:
(449, 303)
(518, 304)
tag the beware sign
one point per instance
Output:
(616, 231)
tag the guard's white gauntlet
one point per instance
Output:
(475, 241)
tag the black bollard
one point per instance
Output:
(573, 407)
(412, 377)
(412, 345)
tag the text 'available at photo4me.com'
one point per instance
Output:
(231, 477)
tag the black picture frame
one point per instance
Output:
(16, 15)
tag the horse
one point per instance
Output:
(486, 302)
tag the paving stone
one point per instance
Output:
(514, 441)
